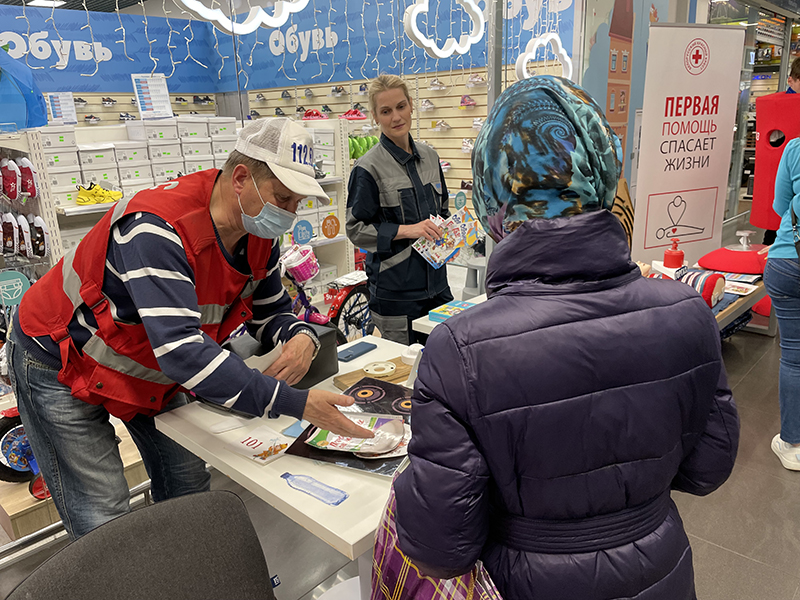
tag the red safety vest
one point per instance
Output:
(117, 367)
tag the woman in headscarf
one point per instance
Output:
(551, 422)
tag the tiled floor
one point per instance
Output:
(745, 536)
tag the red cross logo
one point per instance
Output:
(696, 56)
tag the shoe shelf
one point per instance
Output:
(109, 115)
(88, 209)
(330, 181)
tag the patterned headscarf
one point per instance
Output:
(546, 150)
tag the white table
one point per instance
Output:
(349, 527)
(425, 325)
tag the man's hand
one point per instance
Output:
(321, 411)
(294, 361)
(425, 229)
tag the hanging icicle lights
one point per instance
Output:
(28, 36)
(146, 37)
(170, 47)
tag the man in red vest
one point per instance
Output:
(134, 316)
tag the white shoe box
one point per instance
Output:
(97, 154)
(71, 236)
(164, 170)
(197, 147)
(131, 151)
(134, 172)
(61, 158)
(190, 127)
(221, 126)
(198, 163)
(325, 153)
(152, 129)
(130, 188)
(58, 136)
(219, 163)
(62, 177)
(165, 150)
(329, 168)
(64, 196)
(223, 145)
(104, 175)
(323, 137)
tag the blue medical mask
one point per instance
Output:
(270, 223)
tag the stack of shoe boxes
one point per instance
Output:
(99, 165)
(135, 170)
(223, 138)
(325, 150)
(195, 144)
(63, 166)
(163, 146)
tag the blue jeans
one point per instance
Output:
(782, 280)
(76, 448)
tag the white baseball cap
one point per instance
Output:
(288, 150)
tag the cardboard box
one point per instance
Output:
(131, 174)
(64, 177)
(191, 126)
(164, 170)
(197, 147)
(61, 158)
(165, 150)
(104, 174)
(198, 163)
(97, 154)
(131, 151)
(58, 136)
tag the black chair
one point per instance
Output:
(200, 546)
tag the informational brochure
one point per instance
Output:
(152, 96)
(62, 107)
(457, 232)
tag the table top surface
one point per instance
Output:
(724, 317)
(350, 526)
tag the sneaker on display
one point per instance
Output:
(359, 106)
(475, 80)
(286, 95)
(260, 98)
(466, 185)
(318, 172)
(467, 145)
(442, 125)
(467, 101)
(279, 112)
(80, 102)
(255, 113)
(326, 108)
(208, 100)
(193, 112)
(788, 454)
(353, 115)
(96, 194)
(313, 115)
(12, 179)
(477, 123)
(444, 165)
(10, 234)
(181, 100)
(428, 144)
(109, 102)
(123, 116)
(40, 237)
(337, 90)
(436, 84)
(133, 101)
(91, 119)
(197, 100)
(300, 110)
(362, 89)
(309, 93)
(30, 179)
(426, 104)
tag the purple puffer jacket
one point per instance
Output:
(551, 422)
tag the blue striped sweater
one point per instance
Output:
(148, 280)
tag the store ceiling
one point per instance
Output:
(94, 5)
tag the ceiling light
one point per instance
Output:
(47, 3)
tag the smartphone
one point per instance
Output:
(355, 351)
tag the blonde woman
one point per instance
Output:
(393, 191)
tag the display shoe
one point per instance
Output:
(313, 115)
(362, 89)
(260, 98)
(326, 108)
(444, 165)
(467, 145)
(91, 119)
(286, 95)
(318, 172)
(80, 102)
(95, 194)
(279, 112)
(255, 113)
(197, 100)
(477, 123)
(359, 106)
(12, 179)
(180, 100)
(309, 93)
(208, 100)
(353, 115)
(426, 104)
(436, 84)
(476, 80)
(337, 90)
(109, 102)
(789, 455)
(30, 179)
(193, 112)
(133, 101)
(442, 125)
(467, 101)
(123, 116)
(300, 110)
(466, 185)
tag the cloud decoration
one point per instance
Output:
(256, 17)
(451, 45)
(552, 39)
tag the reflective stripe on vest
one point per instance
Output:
(96, 348)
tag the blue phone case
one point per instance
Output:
(355, 351)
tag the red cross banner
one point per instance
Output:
(691, 92)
